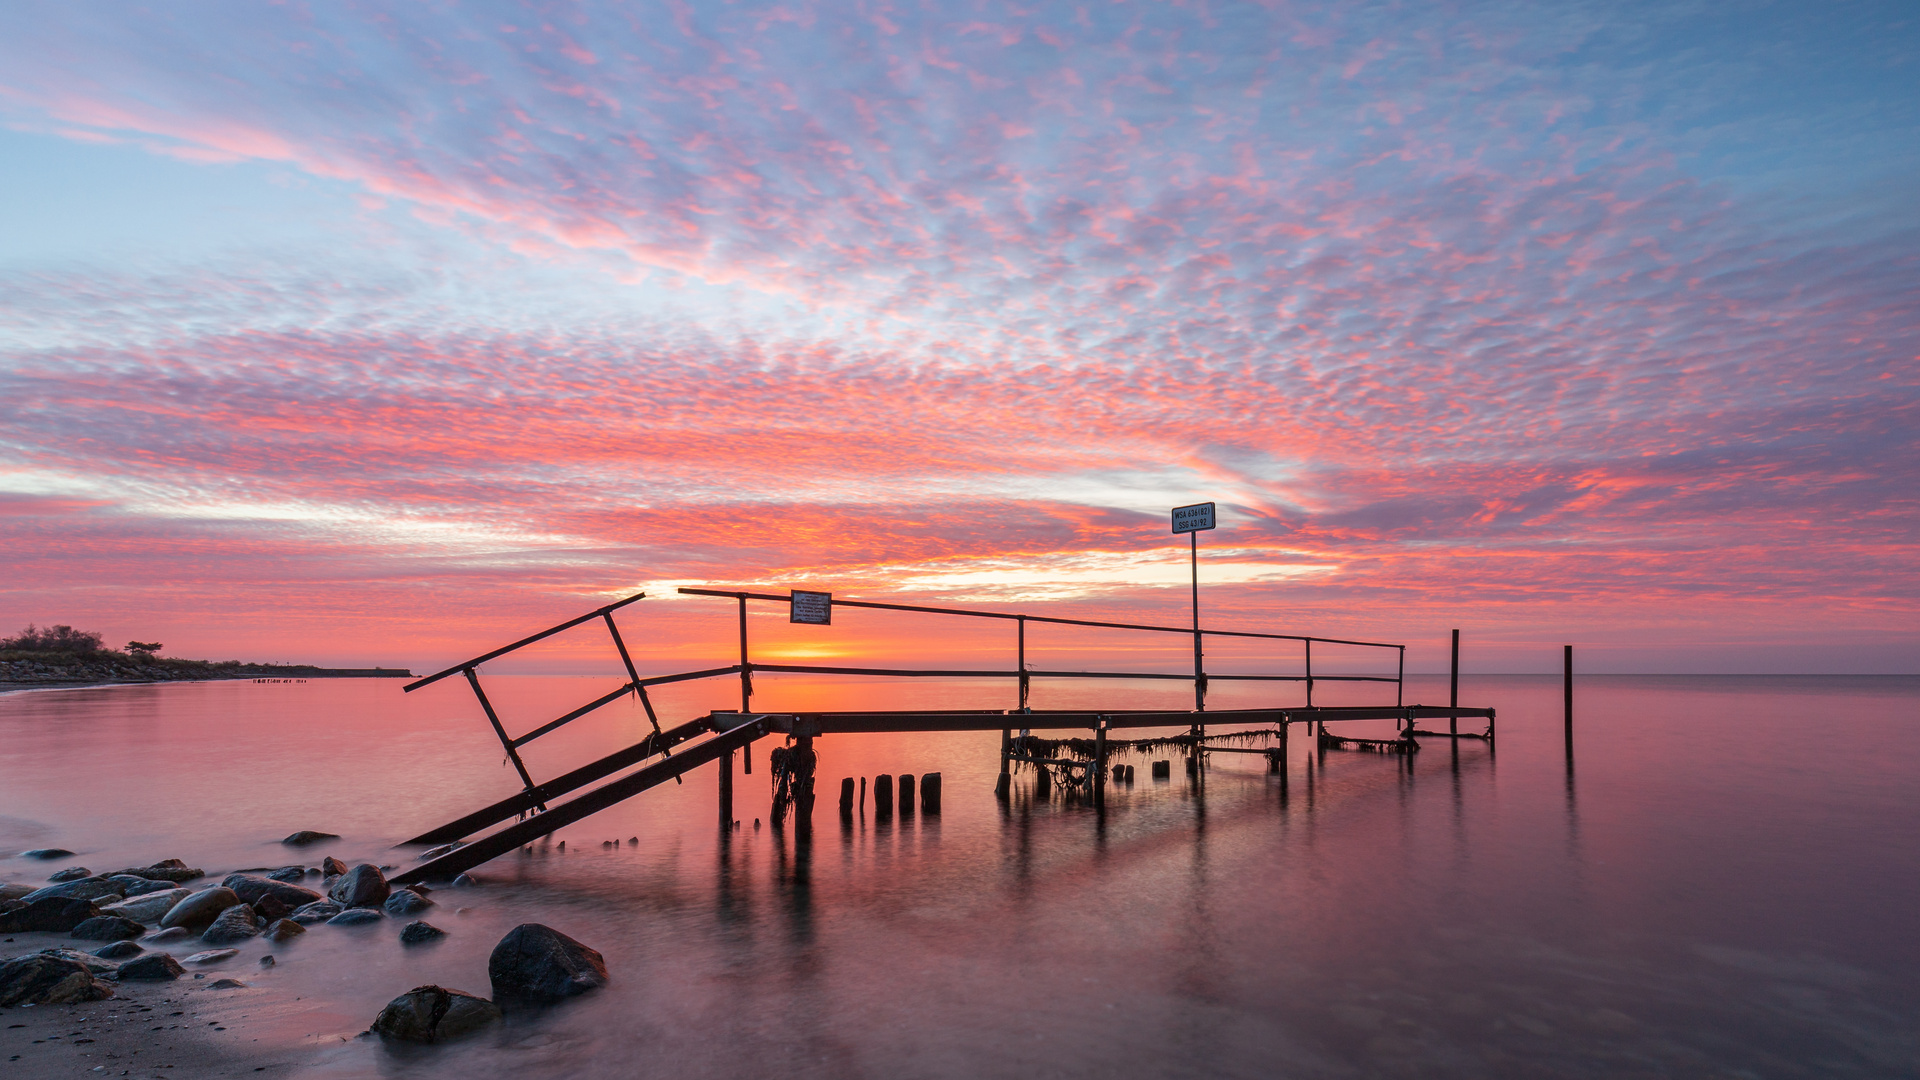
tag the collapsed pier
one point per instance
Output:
(1080, 761)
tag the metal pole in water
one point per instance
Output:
(1453, 687)
(1199, 677)
(746, 683)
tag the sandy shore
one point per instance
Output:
(186, 1028)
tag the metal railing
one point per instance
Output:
(662, 742)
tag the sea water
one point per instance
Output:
(1721, 881)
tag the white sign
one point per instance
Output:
(1195, 518)
(811, 607)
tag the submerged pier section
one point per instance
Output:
(1078, 763)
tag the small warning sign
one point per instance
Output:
(1195, 518)
(811, 607)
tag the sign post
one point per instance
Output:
(1193, 520)
(810, 607)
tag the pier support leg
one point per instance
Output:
(803, 762)
(1567, 693)
(1004, 784)
(725, 764)
(1100, 765)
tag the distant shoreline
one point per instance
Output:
(21, 671)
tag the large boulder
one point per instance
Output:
(152, 967)
(250, 888)
(39, 979)
(50, 915)
(236, 924)
(538, 963)
(434, 1014)
(14, 890)
(90, 888)
(201, 908)
(99, 965)
(147, 908)
(107, 928)
(362, 886)
(166, 870)
(309, 836)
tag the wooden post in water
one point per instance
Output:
(906, 793)
(846, 797)
(725, 765)
(1005, 784)
(1453, 687)
(804, 759)
(930, 793)
(1566, 687)
(1100, 764)
(883, 796)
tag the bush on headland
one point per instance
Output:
(61, 654)
(59, 638)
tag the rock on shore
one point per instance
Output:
(433, 1014)
(250, 889)
(40, 979)
(538, 963)
(201, 908)
(362, 886)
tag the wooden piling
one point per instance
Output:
(1566, 689)
(906, 793)
(1100, 764)
(1042, 782)
(725, 765)
(1453, 687)
(846, 797)
(883, 795)
(1004, 784)
(863, 794)
(1162, 770)
(930, 793)
(804, 759)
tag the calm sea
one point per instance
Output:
(1725, 882)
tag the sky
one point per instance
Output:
(385, 333)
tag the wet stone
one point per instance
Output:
(406, 902)
(309, 836)
(131, 886)
(356, 917)
(171, 933)
(46, 853)
(316, 912)
(226, 984)
(119, 950)
(153, 967)
(237, 923)
(39, 979)
(430, 1014)
(250, 889)
(288, 873)
(52, 914)
(332, 867)
(71, 873)
(538, 963)
(284, 930)
(419, 933)
(362, 886)
(201, 908)
(166, 870)
(108, 928)
(212, 956)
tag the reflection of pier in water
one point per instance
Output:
(1078, 766)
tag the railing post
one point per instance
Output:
(746, 680)
(1400, 680)
(500, 730)
(1309, 673)
(1025, 683)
